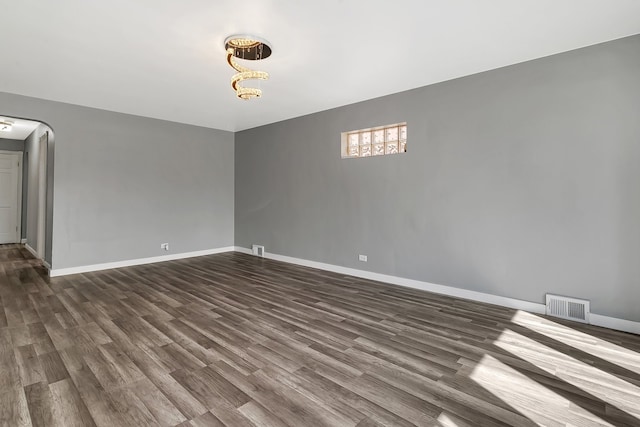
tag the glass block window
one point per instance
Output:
(390, 139)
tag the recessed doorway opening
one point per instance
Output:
(26, 184)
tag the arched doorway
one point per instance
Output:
(31, 143)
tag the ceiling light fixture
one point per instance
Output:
(6, 125)
(250, 48)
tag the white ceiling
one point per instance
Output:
(20, 130)
(165, 59)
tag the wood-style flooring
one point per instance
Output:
(236, 340)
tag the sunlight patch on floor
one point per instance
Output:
(446, 420)
(594, 346)
(529, 397)
(603, 385)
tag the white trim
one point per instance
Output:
(23, 241)
(595, 319)
(409, 283)
(43, 152)
(20, 189)
(130, 262)
(244, 250)
(35, 254)
(615, 323)
(417, 284)
(538, 308)
(33, 251)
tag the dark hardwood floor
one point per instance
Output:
(237, 340)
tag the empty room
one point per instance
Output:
(304, 213)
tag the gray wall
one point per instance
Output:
(124, 184)
(517, 182)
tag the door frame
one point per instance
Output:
(41, 232)
(20, 156)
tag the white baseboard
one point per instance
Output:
(131, 262)
(33, 251)
(23, 241)
(539, 308)
(409, 283)
(35, 254)
(615, 323)
(243, 250)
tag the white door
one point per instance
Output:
(9, 196)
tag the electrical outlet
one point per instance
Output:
(164, 246)
(362, 258)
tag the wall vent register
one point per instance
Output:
(568, 308)
(378, 141)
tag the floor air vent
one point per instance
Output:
(568, 308)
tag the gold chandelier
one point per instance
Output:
(249, 48)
